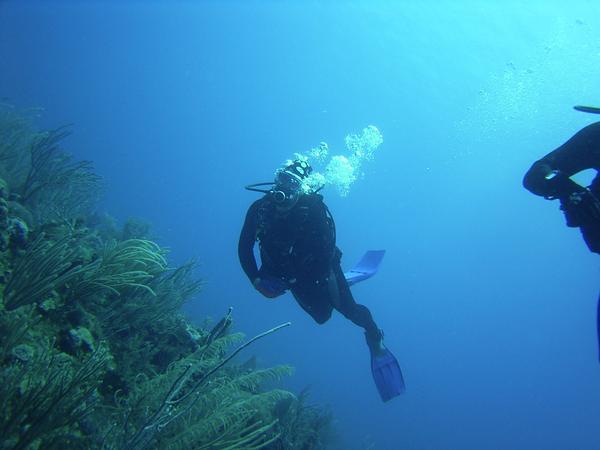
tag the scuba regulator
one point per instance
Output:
(288, 184)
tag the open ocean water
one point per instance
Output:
(487, 299)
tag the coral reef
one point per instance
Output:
(94, 351)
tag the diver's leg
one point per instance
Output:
(359, 314)
(313, 297)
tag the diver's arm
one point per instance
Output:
(246, 243)
(550, 176)
(547, 180)
(268, 286)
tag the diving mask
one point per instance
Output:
(287, 189)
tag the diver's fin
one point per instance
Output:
(387, 375)
(587, 109)
(366, 267)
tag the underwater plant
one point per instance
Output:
(56, 186)
(45, 394)
(44, 267)
(46, 180)
(94, 349)
(16, 132)
(122, 265)
(159, 410)
(155, 305)
(303, 425)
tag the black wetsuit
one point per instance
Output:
(298, 247)
(579, 153)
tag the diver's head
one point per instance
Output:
(289, 183)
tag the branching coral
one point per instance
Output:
(223, 410)
(45, 266)
(45, 157)
(155, 308)
(48, 181)
(138, 374)
(16, 133)
(123, 265)
(303, 426)
(56, 186)
(41, 398)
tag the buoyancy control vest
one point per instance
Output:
(299, 243)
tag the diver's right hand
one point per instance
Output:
(270, 287)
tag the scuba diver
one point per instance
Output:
(550, 177)
(298, 252)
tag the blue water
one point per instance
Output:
(486, 298)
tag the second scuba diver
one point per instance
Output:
(550, 177)
(298, 252)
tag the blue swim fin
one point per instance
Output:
(366, 267)
(387, 375)
(598, 325)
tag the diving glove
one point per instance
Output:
(269, 286)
